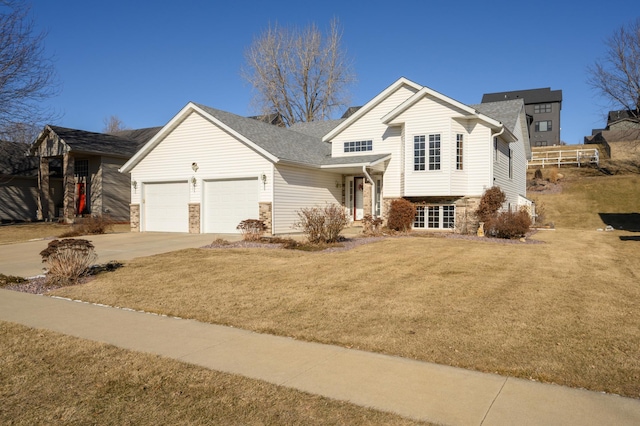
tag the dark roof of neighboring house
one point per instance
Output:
(124, 144)
(350, 111)
(14, 160)
(285, 144)
(530, 96)
(316, 128)
(275, 119)
(506, 112)
(141, 136)
(623, 114)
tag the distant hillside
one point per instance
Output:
(590, 199)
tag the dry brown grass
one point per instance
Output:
(48, 378)
(564, 312)
(585, 193)
(14, 233)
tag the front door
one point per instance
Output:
(358, 211)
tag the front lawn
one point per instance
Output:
(21, 232)
(565, 311)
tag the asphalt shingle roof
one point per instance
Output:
(285, 144)
(316, 128)
(530, 96)
(506, 112)
(96, 143)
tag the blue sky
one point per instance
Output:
(143, 60)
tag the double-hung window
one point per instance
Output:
(543, 126)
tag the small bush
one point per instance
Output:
(7, 280)
(402, 214)
(68, 260)
(92, 225)
(251, 229)
(538, 174)
(554, 176)
(371, 226)
(489, 205)
(511, 225)
(322, 224)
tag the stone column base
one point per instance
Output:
(266, 216)
(194, 218)
(134, 217)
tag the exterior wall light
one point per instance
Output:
(134, 184)
(263, 177)
(194, 166)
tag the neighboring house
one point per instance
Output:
(621, 137)
(19, 183)
(543, 108)
(90, 161)
(207, 169)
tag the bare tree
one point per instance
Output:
(27, 75)
(113, 124)
(20, 132)
(617, 76)
(299, 74)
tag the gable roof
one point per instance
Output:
(530, 96)
(506, 112)
(402, 81)
(276, 143)
(81, 141)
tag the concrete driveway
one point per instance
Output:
(23, 259)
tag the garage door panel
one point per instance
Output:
(228, 202)
(166, 207)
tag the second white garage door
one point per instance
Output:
(166, 207)
(229, 202)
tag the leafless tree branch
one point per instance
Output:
(298, 73)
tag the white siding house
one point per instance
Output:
(207, 169)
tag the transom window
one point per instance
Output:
(435, 217)
(543, 126)
(81, 168)
(541, 108)
(358, 146)
(459, 150)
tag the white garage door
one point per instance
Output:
(229, 202)
(166, 207)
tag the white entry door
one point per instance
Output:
(228, 202)
(166, 207)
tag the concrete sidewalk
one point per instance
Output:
(418, 390)
(23, 259)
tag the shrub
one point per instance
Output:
(68, 260)
(7, 280)
(511, 224)
(402, 214)
(554, 176)
(251, 229)
(91, 225)
(322, 224)
(538, 174)
(490, 203)
(371, 226)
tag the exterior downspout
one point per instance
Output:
(493, 136)
(373, 191)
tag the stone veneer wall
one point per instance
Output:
(366, 199)
(266, 216)
(194, 218)
(69, 202)
(134, 217)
